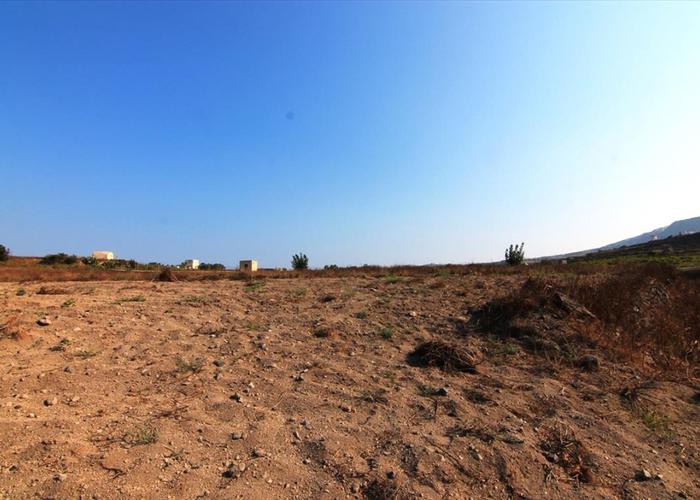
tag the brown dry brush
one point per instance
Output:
(561, 447)
(10, 328)
(635, 312)
(647, 310)
(446, 356)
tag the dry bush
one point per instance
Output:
(47, 290)
(166, 275)
(448, 357)
(640, 313)
(649, 310)
(381, 489)
(561, 447)
(10, 329)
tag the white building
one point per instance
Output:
(102, 255)
(191, 264)
(248, 265)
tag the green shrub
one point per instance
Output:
(59, 258)
(211, 267)
(89, 260)
(515, 254)
(300, 262)
(4, 253)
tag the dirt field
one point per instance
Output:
(304, 388)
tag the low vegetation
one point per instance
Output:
(59, 258)
(300, 262)
(211, 267)
(515, 254)
(4, 253)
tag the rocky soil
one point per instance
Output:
(306, 388)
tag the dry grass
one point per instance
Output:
(10, 328)
(645, 314)
(446, 356)
(648, 311)
(166, 275)
(561, 447)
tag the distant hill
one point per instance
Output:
(682, 251)
(677, 228)
(680, 227)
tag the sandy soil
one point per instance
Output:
(226, 390)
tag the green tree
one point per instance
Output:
(515, 254)
(4, 252)
(300, 262)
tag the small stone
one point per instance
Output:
(642, 475)
(442, 391)
(413, 314)
(68, 369)
(307, 460)
(259, 453)
(60, 477)
(50, 402)
(218, 363)
(391, 475)
(235, 397)
(228, 474)
(346, 408)
(237, 435)
(43, 321)
(299, 378)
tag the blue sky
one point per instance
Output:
(360, 132)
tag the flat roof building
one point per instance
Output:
(191, 264)
(102, 255)
(248, 265)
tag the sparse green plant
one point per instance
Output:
(361, 314)
(195, 300)
(135, 298)
(300, 262)
(298, 292)
(193, 365)
(430, 391)
(390, 278)
(61, 346)
(85, 354)
(89, 260)
(653, 420)
(254, 285)
(20, 292)
(387, 333)
(515, 254)
(4, 253)
(141, 435)
(254, 326)
(68, 303)
(330, 267)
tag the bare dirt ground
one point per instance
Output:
(302, 388)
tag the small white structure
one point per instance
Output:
(102, 255)
(191, 264)
(249, 265)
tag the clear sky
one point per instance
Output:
(361, 132)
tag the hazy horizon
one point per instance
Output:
(357, 133)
